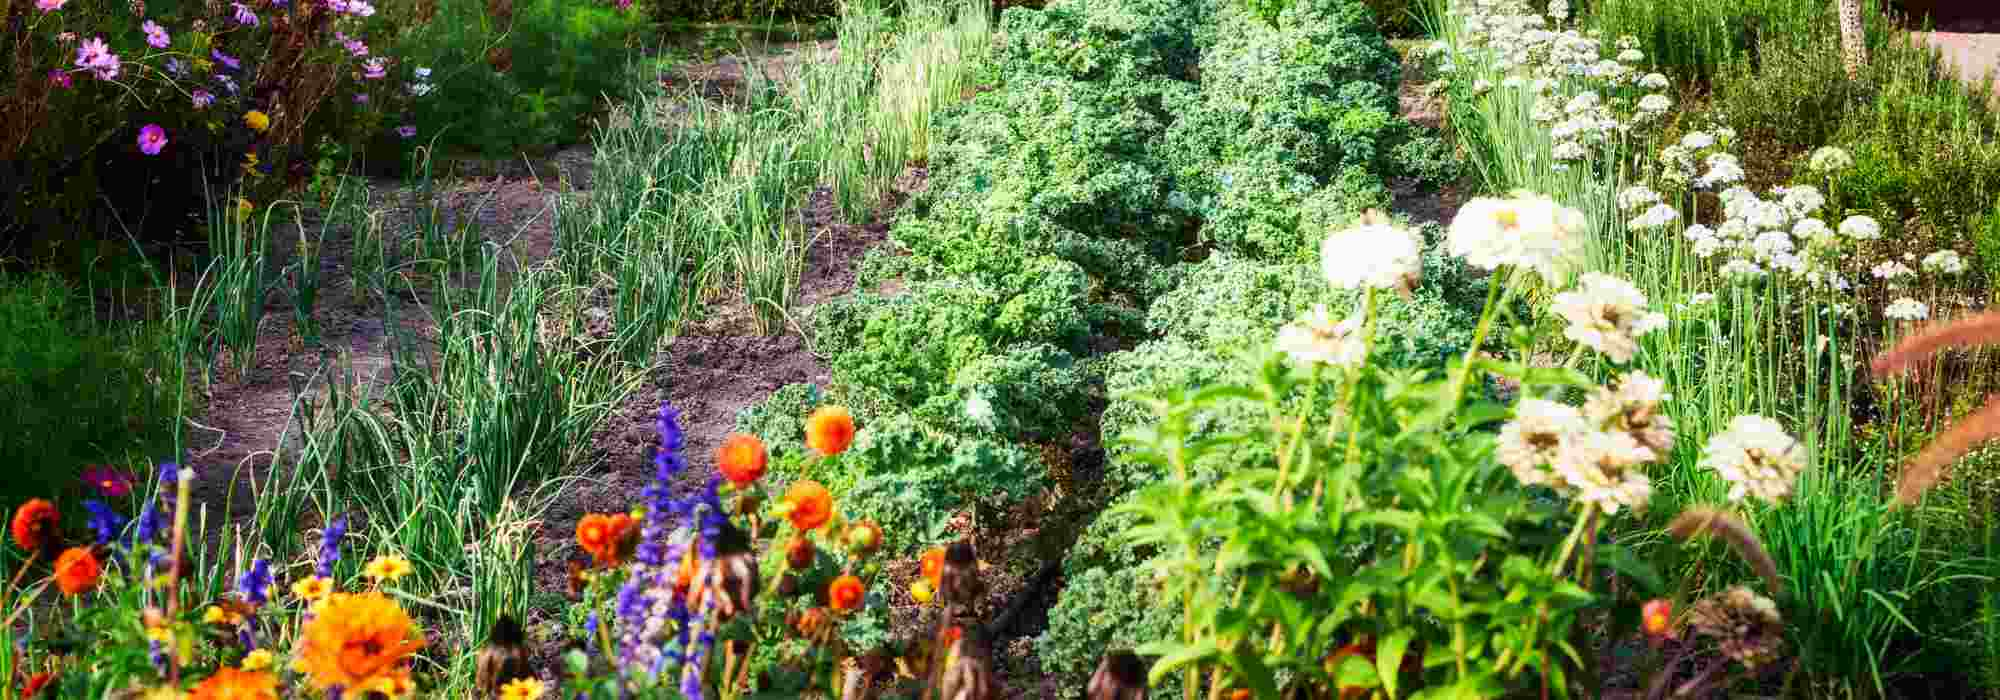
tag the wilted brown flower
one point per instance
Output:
(1745, 625)
(1120, 676)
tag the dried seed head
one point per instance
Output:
(968, 670)
(1120, 676)
(1745, 625)
(959, 581)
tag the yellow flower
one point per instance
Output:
(162, 634)
(257, 121)
(311, 589)
(215, 615)
(258, 660)
(921, 591)
(387, 567)
(163, 693)
(392, 685)
(523, 689)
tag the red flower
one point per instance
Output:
(845, 593)
(108, 482)
(830, 430)
(742, 459)
(604, 536)
(37, 684)
(933, 565)
(77, 571)
(811, 505)
(1657, 617)
(35, 525)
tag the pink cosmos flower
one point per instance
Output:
(96, 55)
(244, 16)
(202, 98)
(355, 47)
(375, 69)
(156, 35)
(108, 482)
(50, 5)
(152, 138)
(407, 131)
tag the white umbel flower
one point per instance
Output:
(1527, 230)
(1697, 140)
(1318, 339)
(1607, 314)
(1656, 217)
(1906, 309)
(1637, 197)
(1945, 262)
(1655, 103)
(1812, 230)
(1829, 159)
(1377, 255)
(1757, 458)
(1891, 270)
(1861, 228)
(1723, 170)
(1535, 439)
(1653, 81)
(1802, 200)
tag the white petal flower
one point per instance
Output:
(1631, 56)
(1607, 314)
(1891, 270)
(1697, 140)
(1707, 247)
(1655, 103)
(1812, 230)
(1604, 470)
(1803, 199)
(1907, 309)
(1656, 217)
(1860, 228)
(1568, 150)
(1723, 169)
(1371, 255)
(1757, 458)
(1830, 159)
(1945, 262)
(1696, 232)
(1632, 406)
(1637, 197)
(1535, 438)
(1742, 270)
(1653, 81)
(1317, 339)
(1528, 231)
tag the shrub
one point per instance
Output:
(1100, 39)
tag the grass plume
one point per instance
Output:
(1698, 520)
(1931, 465)
(1974, 330)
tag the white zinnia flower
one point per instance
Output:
(1632, 406)
(1907, 309)
(1757, 458)
(1637, 197)
(1607, 314)
(1656, 217)
(1891, 270)
(1317, 339)
(1535, 438)
(1861, 228)
(1371, 255)
(1603, 469)
(1944, 261)
(1528, 230)
(1830, 159)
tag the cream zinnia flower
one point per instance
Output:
(1603, 469)
(1317, 338)
(1632, 406)
(1535, 438)
(1757, 458)
(1375, 255)
(1528, 231)
(1608, 315)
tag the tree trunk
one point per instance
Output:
(1853, 40)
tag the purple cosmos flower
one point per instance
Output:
(59, 78)
(407, 131)
(202, 98)
(244, 16)
(355, 47)
(361, 98)
(225, 59)
(375, 69)
(177, 67)
(360, 8)
(156, 35)
(104, 521)
(152, 138)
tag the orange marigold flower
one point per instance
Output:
(845, 593)
(77, 570)
(810, 505)
(830, 430)
(1657, 616)
(603, 536)
(933, 565)
(357, 639)
(37, 684)
(742, 459)
(35, 524)
(951, 635)
(232, 684)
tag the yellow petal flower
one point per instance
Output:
(257, 660)
(387, 567)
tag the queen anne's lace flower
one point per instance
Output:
(1535, 438)
(1655, 103)
(1377, 255)
(1318, 339)
(1637, 197)
(1697, 140)
(1812, 230)
(1659, 215)
(1830, 159)
(1653, 81)
(1945, 262)
(1529, 231)
(1801, 200)
(1742, 270)
(1861, 228)
(1723, 169)
(1757, 458)
(1607, 314)
(1907, 309)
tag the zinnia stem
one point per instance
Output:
(183, 495)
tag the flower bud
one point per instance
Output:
(799, 554)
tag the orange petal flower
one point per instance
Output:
(232, 684)
(845, 593)
(77, 571)
(357, 639)
(742, 459)
(951, 635)
(37, 684)
(811, 505)
(830, 430)
(933, 565)
(35, 524)
(1657, 617)
(603, 536)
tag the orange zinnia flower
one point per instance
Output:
(35, 524)
(1657, 616)
(77, 571)
(357, 639)
(232, 684)
(933, 565)
(830, 430)
(845, 593)
(811, 505)
(951, 635)
(742, 459)
(37, 684)
(603, 536)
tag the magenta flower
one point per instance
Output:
(50, 5)
(354, 46)
(152, 138)
(108, 482)
(156, 35)
(202, 98)
(225, 59)
(59, 78)
(360, 8)
(375, 69)
(406, 131)
(244, 16)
